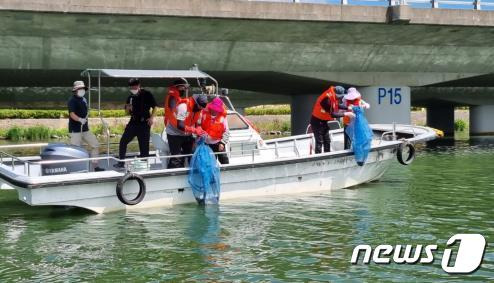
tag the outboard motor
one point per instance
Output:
(60, 151)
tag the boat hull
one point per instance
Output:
(310, 174)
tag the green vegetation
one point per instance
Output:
(273, 125)
(460, 125)
(268, 110)
(56, 114)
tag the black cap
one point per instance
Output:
(134, 81)
(201, 100)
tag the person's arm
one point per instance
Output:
(128, 105)
(181, 116)
(326, 105)
(154, 108)
(226, 135)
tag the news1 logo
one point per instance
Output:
(468, 258)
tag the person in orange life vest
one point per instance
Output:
(351, 99)
(213, 121)
(326, 109)
(176, 92)
(179, 136)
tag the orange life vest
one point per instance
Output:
(192, 116)
(355, 102)
(214, 127)
(169, 115)
(319, 112)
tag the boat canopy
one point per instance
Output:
(156, 74)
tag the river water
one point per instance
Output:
(449, 189)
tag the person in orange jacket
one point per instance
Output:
(326, 109)
(176, 92)
(214, 122)
(179, 136)
(353, 98)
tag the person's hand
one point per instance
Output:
(350, 115)
(128, 107)
(82, 121)
(200, 132)
(190, 130)
(350, 107)
(150, 121)
(221, 147)
(366, 105)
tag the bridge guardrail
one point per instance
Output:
(446, 4)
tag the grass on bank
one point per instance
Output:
(57, 114)
(38, 133)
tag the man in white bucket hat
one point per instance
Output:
(78, 122)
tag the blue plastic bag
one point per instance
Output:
(204, 175)
(361, 135)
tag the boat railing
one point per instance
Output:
(5, 157)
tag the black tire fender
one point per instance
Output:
(140, 195)
(405, 160)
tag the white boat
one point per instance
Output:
(257, 168)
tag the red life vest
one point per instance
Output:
(214, 127)
(169, 114)
(355, 102)
(192, 116)
(319, 112)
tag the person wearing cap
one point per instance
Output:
(179, 136)
(213, 121)
(78, 122)
(176, 92)
(326, 109)
(353, 98)
(141, 106)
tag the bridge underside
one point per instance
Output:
(443, 64)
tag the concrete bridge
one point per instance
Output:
(296, 50)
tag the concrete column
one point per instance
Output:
(442, 117)
(388, 104)
(301, 109)
(482, 120)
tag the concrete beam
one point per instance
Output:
(482, 120)
(258, 10)
(442, 117)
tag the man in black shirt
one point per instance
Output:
(138, 105)
(78, 124)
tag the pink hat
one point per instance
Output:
(352, 94)
(216, 105)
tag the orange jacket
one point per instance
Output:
(319, 112)
(192, 116)
(169, 116)
(215, 128)
(355, 102)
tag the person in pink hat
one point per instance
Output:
(353, 98)
(213, 121)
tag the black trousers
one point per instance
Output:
(179, 145)
(142, 131)
(222, 158)
(321, 134)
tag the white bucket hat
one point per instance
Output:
(78, 85)
(352, 94)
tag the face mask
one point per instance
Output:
(134, 91)
(81, 92)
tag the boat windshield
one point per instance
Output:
(236, 123)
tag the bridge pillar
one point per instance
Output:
(388, 104)
(301, 110)
(442, 117)
(481, 120)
